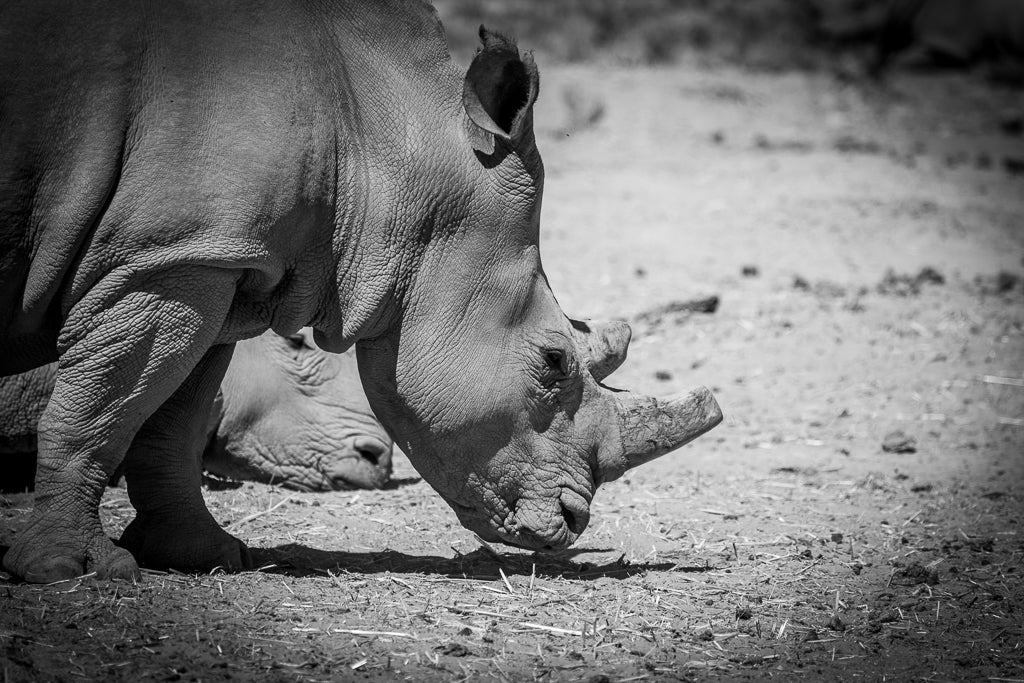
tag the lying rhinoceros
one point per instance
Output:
(176, 176)
(287, 413)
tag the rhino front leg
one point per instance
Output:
(172, 527)
(125, 348)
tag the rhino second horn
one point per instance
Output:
(609, 342)
(651, 427)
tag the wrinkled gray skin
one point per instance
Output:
(287, 413)
(291, 414)
(178, 175)
(22, 400)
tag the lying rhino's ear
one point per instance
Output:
(499, 90)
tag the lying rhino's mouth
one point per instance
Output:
(362, 462)
(542, 523)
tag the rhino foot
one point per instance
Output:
(59, 555)
(184, 546)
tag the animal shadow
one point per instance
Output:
(298, 560)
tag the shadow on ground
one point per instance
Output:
(300, 560)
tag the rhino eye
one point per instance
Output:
(555, 361)
(296, 341)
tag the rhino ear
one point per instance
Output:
(499, 91)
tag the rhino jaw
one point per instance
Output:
(533, 523)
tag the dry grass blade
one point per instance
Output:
(487, 547)
(1007, 381)
(550, 629)
(505, 579)
(389, 634)
(256, 515)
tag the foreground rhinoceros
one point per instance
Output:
(287, 413)
(176, 176)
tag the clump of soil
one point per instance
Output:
(901, 284)
(899, 442)
(1003, 282)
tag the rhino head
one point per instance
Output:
(493, 393)
(291, 414)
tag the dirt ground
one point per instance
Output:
(865, 246)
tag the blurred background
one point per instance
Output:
(844, 36)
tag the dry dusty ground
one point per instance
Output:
(855, 238)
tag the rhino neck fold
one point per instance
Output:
(389, 192)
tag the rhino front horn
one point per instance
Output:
(651, 427)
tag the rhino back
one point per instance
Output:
(238, 135)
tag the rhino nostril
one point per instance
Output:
(575, 511)
(371, 450)
(371, 456)
(569, 516)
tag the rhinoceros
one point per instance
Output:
(287, 413)
(176, 176)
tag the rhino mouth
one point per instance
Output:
(365, 464)
(548, 524)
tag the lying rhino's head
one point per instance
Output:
(297, 416)
(494, 394)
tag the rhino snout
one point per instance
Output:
(374, 451)
(551, 523)
(365, 462)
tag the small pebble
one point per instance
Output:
(899, 442)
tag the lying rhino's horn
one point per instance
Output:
(650, 427)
